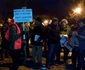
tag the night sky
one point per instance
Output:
(40, 7)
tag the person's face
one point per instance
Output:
(9, 20)
(74, 33)
(64, 24)
(81, 24)
(37, 22)
(56, 23)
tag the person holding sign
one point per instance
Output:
(74, 43)
(64, 30)
(37, 38)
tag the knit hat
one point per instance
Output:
(54, 19)
(38, 19)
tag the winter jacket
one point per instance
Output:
(81, 38)
(38, 35)
(13, 34)
(52, 34)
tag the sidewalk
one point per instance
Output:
(4, 65)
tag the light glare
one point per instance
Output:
(46, 21)
(77, 10)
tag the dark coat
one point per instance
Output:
(5, 43)
(52, 34)
(40, 31)
(81, 32)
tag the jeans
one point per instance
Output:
(27, 47)
(37, 51)
(66, 51)
(75, 54)
(58, 50)
(51, 54)
(15, 55)
(82, 59)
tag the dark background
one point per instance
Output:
(58, 8)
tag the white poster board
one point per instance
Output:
(23, 15)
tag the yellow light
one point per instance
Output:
(43, 24)
(1, 25)
(50, 21)
(77, 10)
(46, 21)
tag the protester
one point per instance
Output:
(64, 30)
(81, 37)
(1, 41)
(52, 37)
(27, 35)
(13, 35)
(5, 43)
(74, 42)
(37, 41)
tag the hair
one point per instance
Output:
(64, 20)
(38, 19)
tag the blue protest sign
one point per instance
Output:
(23, 15)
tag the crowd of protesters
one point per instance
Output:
(54, 36)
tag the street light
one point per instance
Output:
(77, 13)
(77, 10)
(45, 22)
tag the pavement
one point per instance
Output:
(6, 63)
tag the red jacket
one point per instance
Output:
(18, 42)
